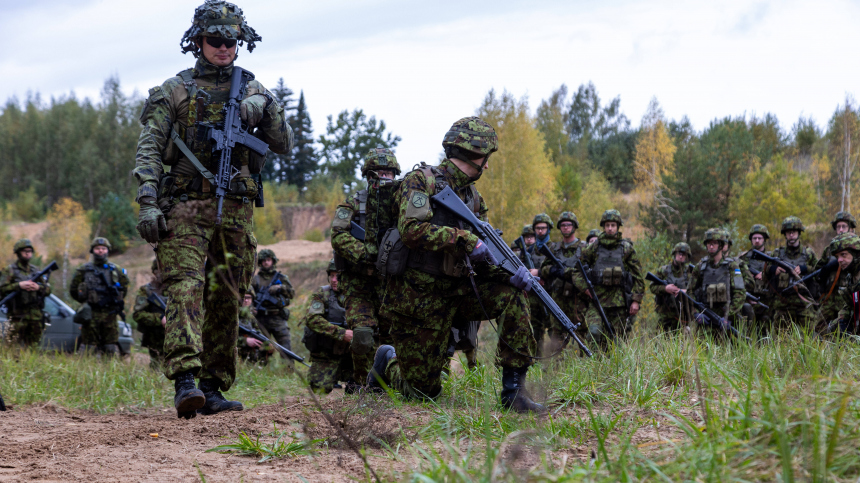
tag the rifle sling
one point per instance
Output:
(832, 286)
(188, 154)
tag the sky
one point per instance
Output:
(420, 66)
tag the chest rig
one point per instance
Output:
(759, 286)
(96, 279)
(609, 266)
(568, 256)
(25, 299)
(681, 281)
(798, 258)
(716, 283)
(334, 311)
(438, 263)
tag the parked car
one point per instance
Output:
(63, 332)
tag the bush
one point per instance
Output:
(28, 206)
(314, 235)
(115, 220)
(268, 224)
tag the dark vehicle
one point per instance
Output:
(63, 331)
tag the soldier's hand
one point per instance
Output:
(797, 270)
(251, 109)
(28, 285)
(634, 308)
(534, 272)
(482, 254)
(779, 270)
(758, 276)
(164, 321)
(347, 336)
(252, 342)
(672, 289)
(150, 220)
(275, 289)
(522, 279)
(556, 271)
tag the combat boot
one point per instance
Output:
(377, 373)
(188, 398)
(351, 387)
(515, 396)
(215, 401)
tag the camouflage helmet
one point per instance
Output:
(727, 237)
(714, 234)
(792, 223)
(594, 232)
(472, 134)
(265, 254)
(250, 291)
(332, 267)
(759, 230)
(379, 158)
(845, 241)
(846, 217)
(568, 216)
(543, 218)
(100, 240)
(22, 244)
(217, 18)
(682, 247)
(528, 230)
(611, 215)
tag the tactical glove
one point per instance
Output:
(556, 271)
(362, 340)
(522, 279)
(482, 254)
(275, 289)
(251, 109)
(150, 220)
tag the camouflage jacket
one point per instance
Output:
(736, 292)
(753, 285)
(284, 289)
(26, 304)
(346, 246)
(316, 318)
(146, 314)
(88, 286)
(611, 296)
(809, 260)
(246, 318)
(167, 108)
(665, 303)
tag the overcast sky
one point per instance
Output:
(422, 65)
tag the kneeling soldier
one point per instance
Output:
(250, 348)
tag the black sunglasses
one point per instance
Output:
(217, 42)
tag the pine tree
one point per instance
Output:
(304, 157)
(277, 164)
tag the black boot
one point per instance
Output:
(188, 398)
(514, 393)
(351, 387)
(377, 373)
(215, 401)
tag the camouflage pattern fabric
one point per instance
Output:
(148, 318)
(737, 292)
(619, 318)
(680, 312)
(330, 366)
(846, 311)
(275, 317)
(102, 329)
(217, 18)
(326, 372)
(362, 304)
(570, 300)
(790, 309)
(758, 287)
(422, 306)
(246, 352)
(611, 296)
(26, 317)
(539, 316)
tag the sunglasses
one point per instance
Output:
(217, 42)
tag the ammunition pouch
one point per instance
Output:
(609, 276)
(84, 314)
(393, 255)
(717, 293)
(783, 280)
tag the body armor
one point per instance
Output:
(760, 286)
(563, 287)
(334, 311)
(335, 314)
(682, 282)
(716, 283)
(282, 300)
(99, 294)
(25, 299)
(785, 279)
(608, 267)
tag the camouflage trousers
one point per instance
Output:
(362, 303)
(101, 330)
(153, 340)
(327, 369)
(829, 309)
(788, 313)
(539, 321)
(619, 319)
(559, 337)
(421, 309)
(24, 331)
(278, 328)
(205, 268)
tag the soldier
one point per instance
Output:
(276, 293)
(177, 209)
(250, 348)
(796, 306)
(101, 286)
(25, 313)
(673, 311)
(150, 318)
(846, 248)
(569, 300)
(593, 234)
(717, 281)
(328, 338)
(834, 282)
(370, 209)
(528, 235)
(616, 274)
(754, 278)
(437, 286)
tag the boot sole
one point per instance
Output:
(208, 412)
(187, 408)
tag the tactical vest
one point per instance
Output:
(438, 263)
(335, 314)
(334, 311)
(760, 286)
(682, 282)
(716, 283)
(537, 258)
(100, 295)
(785, 279)
(272, 304)
(563, 287)
(25, 299)
(608, 268)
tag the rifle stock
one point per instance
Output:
(253, 333)
(158, 301)
(356, 231)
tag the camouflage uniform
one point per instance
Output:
(148, 317)
(205, 264)
(790, 308)
(673, 312)
(836, 282)
(719, 286)
(246, 352)
(592, 236)
(757, 287)
(617, 277)
(539, 315)
(570, 300)
(26, 317)
(325, 330)
(100, 331)
(848, 317)
(274, 315)
(435, 289)
(361, 284)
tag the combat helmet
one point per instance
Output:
(568, 216)
(727, 237)
(593, 233)
(543, 218)
(379, 158)
(471, 138)
(100, 240)
(759, 230)
(267, 253)
(792, 223)
(845, 241)
(22, 244)
(682, 247)
(217, 18)
(528, 230)
(714, 234)
(611, 215)
(846, 217)
(332, 267)
(250, 291)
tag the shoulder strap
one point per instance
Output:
(361, 196)
(188, 154)
(188, 80)
(429, 176)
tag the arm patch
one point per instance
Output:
(418, 206)
(342, 217)
(316, 308)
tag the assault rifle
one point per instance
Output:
(757, 301)
(113, 288)
(757, 255)
(231, 134)
(530, 264)
(709, 316)
(356, 231)
(255, 334)
(158, 301)
(264, 295)
(45, 272)
(830, 266)
(606, 324)
(508, 261)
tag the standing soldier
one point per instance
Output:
(834, 282)
(593, 234)
(328, 338)
(673, 311)
(569, 300)
(540, 318)
(371, 209)
(276, 293)
(102, 287)
(25, 313)
(754, 277)
(846, 248)
(206, 264)
(616, 274)
(250, 348)
(150, 318)
(717, 281)
(437, 286)
(796, 306)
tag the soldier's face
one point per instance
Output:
(713, 247)
(541, 229)
(267, 263)
(591, 240)
(529, 239)
(610, 228)
(566, 228)
(680, 258)
(332, 280)
(757, 241)
(100, 251)
(844, 258)
(842, 227)
(247, 300)
(385, 174)
(792, 237)
(219, 56)
(26, 253)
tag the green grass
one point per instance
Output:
(245, 446)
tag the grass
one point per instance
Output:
(245, 446)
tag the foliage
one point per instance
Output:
(597, 197)
(281, 193)
(297, 166)
(314, 235)
(269, 224)
(245, 446)
(68, 233)
(518, 184)
(115, 220)
(843, 135)
(348, 139)
(27, 206)
(325, 190)
(655, 152)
